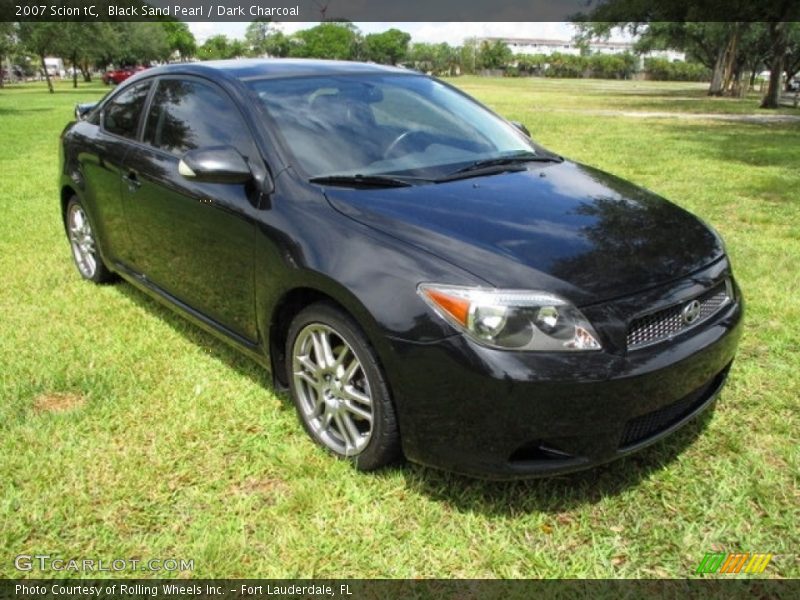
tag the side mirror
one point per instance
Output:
(215, 164)
(522, 128)
(83, 109)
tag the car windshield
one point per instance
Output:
(399, 125)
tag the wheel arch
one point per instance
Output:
(290, 304)
(67, 192)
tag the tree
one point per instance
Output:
(333, 40)
(262, 37)
(277, 44)
(219, 47)
(494, 55)
(754, 50)
(724, 38)
(70, 43)
(141, 43)
(389, 47)
(792, 66)
(256, 36)
(180, 39)
(612, 66)
(712, 44)
(8, 42)
(663, 69)
(83, 44)
(40, 38)
(779, 34)
(439, 59)
(532, 64)
(468, 55)
(566, 65)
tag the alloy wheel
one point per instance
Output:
(333, 390)
(82, 241)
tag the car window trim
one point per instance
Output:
(202, 80)
(255, 128)
(257, 158)
(102, 126)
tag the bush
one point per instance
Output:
(607, 66)
(566, 65)
(612, 66)
(531, 64)
(661, 69)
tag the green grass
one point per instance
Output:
(128, 433)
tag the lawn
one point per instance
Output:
(127, 433)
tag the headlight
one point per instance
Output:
(512, 319)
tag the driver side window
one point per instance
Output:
(185, 115)
(121, 115)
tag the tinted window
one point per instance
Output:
(121, 115)
(186, 114)
(378, 124)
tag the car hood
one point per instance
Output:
(566, 227)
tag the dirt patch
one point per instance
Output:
(268, 489)
(58, 402)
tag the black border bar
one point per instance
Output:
(400, 10)
(385, 589)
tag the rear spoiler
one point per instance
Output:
(81, 110)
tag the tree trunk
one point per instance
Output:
(722, 76)
(47, 75)
(772, 99)
(730, 60)
(74, 71)
(718, 75)
(779, 43)
(736, 90)
(86, 72)
(753, 74)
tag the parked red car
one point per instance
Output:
(119, 75)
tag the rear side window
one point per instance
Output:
(185, 115)
(121, 115)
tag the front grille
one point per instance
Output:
(650, 424)
(668, 322)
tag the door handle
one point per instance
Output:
(132, 180)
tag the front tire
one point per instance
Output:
(83, 243)
(339, 389)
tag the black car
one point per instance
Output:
(423, 278)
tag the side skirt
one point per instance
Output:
(252, 349)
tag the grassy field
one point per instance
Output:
(127, 433)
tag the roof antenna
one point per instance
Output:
(323, 9)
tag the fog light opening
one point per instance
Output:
(537, 450)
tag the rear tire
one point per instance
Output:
(83, 243)
(339, 389)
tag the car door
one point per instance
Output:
(101, 161)
(194, 240)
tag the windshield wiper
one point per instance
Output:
(509, 160)
(361, 181)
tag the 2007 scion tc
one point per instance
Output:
(425, 279)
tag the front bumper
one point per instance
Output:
(505, 415)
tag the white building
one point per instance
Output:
(545, 46)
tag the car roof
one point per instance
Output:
(264, 68)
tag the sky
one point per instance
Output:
(453, 33)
